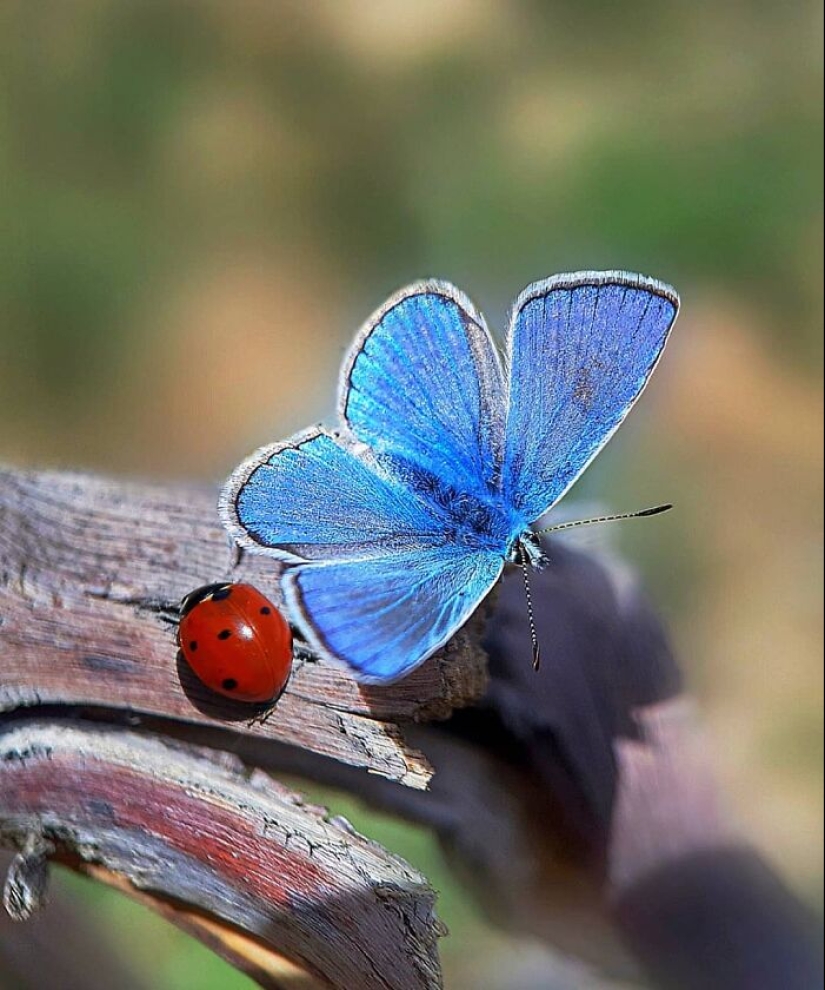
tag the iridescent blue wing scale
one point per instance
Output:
(309, 498)
(385, 616)
(581, 348)
(422, 387)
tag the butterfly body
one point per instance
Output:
(527, 548)
(396, 526)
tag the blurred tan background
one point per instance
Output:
(202, 201)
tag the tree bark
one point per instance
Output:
(580, 800)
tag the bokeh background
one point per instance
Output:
(202, 201)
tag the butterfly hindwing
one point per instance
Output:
(385, 616)
(581, 349)
(422, 387)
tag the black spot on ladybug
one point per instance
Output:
(265, 610)
(193, 645)
(222, 593)
(229, 684)
(224, 634)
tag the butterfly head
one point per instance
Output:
(527, 548)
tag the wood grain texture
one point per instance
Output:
(88, 571)
(232, 857)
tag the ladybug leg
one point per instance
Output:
(300, 648)
(236, 555)
(261, 717)
(163, 608)
(169, 613)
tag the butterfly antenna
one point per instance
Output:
(534, 639)
(653, 511)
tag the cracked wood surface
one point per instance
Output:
(88, 567)
(233, 858)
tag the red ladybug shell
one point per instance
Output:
(236, 641)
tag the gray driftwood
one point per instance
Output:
(234, 858)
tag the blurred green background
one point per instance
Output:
(202, 201)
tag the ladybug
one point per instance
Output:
(236, 642)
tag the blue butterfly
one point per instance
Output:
(401, 521)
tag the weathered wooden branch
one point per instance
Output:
(261, 874)
(87, 567)
(581, 799)
(90, 573)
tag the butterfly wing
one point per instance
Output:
(581, 349)
(422, 387)
(386, 615)
(309, 498)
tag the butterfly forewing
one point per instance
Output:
(581, 349)
(309, 498)
(423, 388)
